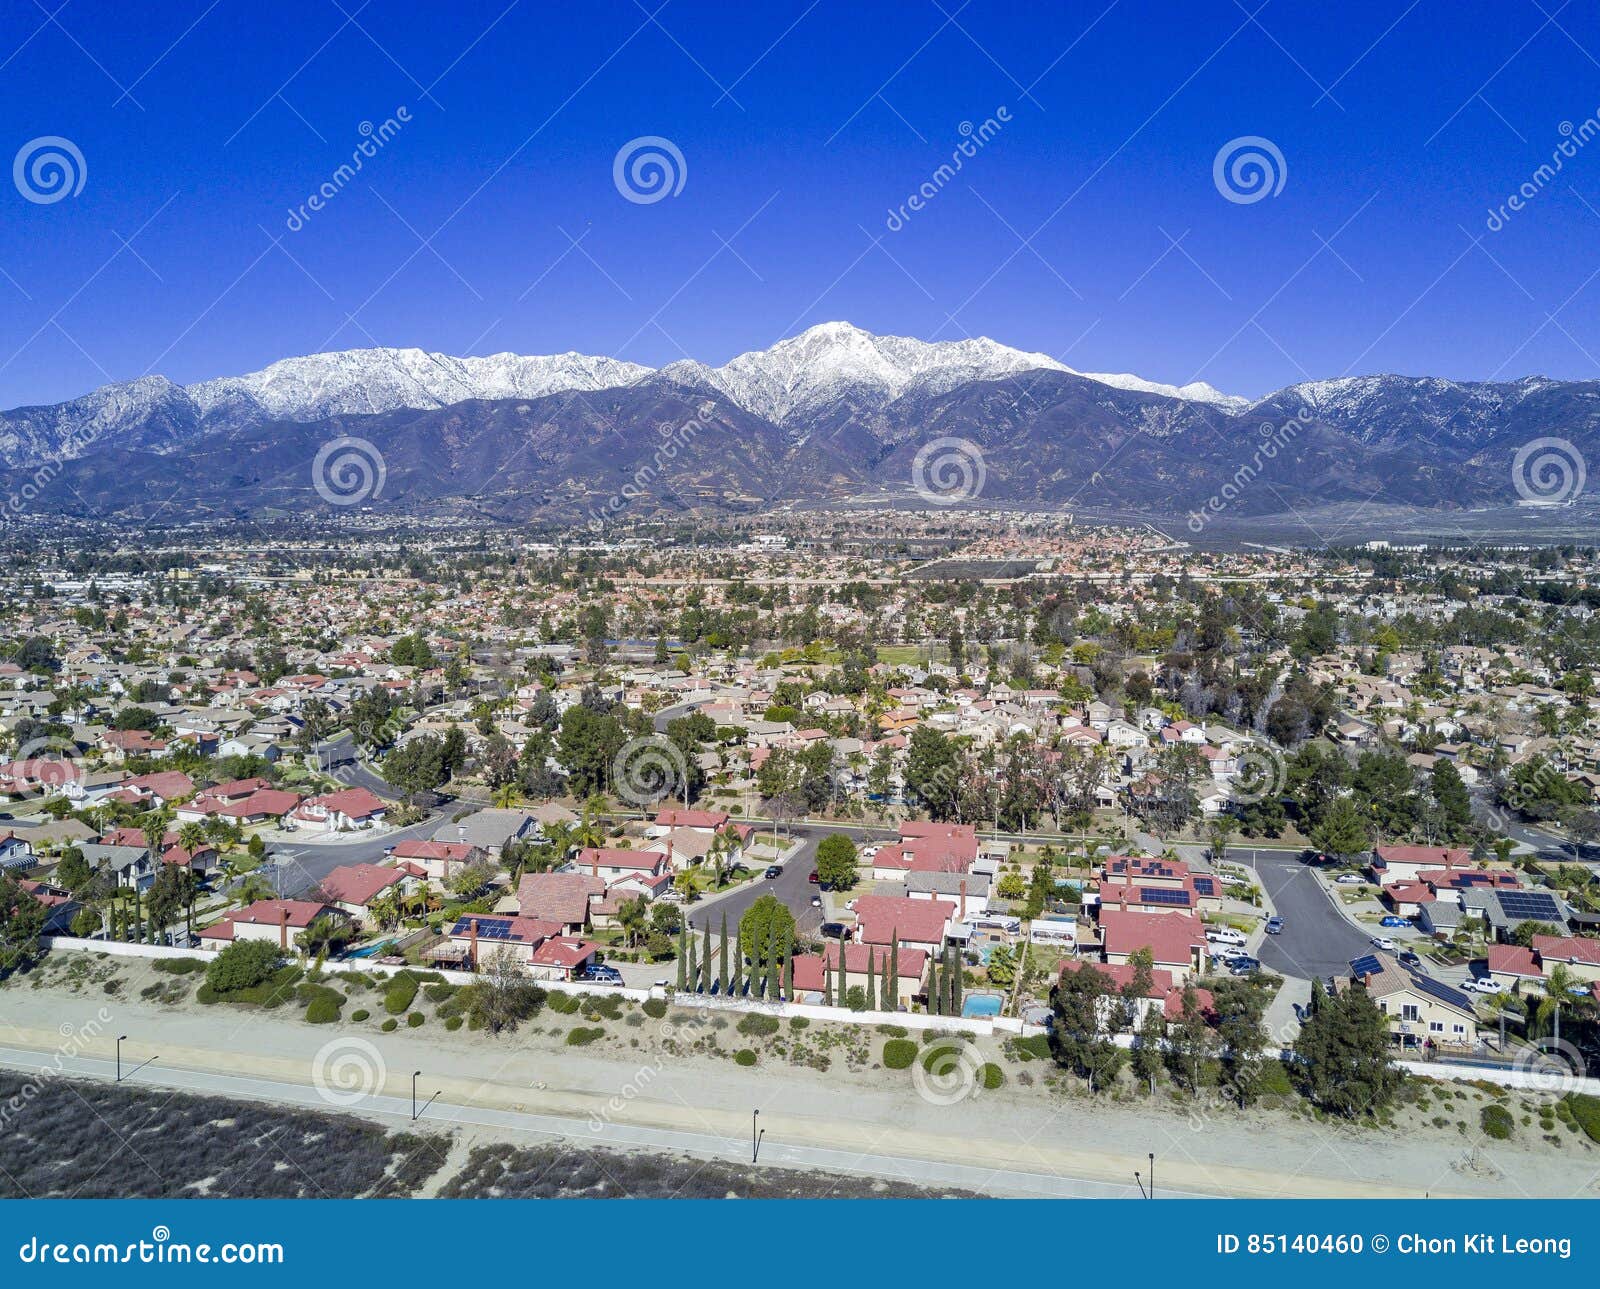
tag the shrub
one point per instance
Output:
(757, 1025)
(1496, 1121)
(993, 1076)
(389, 1026)
(242, 965)
(1036, 1047)
(1274, 1080)
(1586, 1112)
(582, 1037)
(322, 1010)
(441, 992)
(360, 1014)
(566, 1004)
(655, 1008)
(415, 1019)
(799, 1022)
(898, 1053)
(180, 966)
(400, 994)
(894, 1031)
(744, 1056)
(453, 1024)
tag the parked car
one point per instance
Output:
(814, 879)
(773, 870)
(1382, 942)
(601, 974)
(1392, 920)
(816, 901)
(1480, 985)
(1274, 925)
(835, 930)
(1244, 966)
(1224, 935)
(1350, 879)
(1409, 959)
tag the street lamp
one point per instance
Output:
(120, 1037)
(755, 1136)
(415, 1112)
(1152, 1174)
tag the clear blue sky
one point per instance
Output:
(203, 125)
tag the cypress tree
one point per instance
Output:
(891, 986)
(954, 971)
(694, 968)
(827, 982)
(935, 995)
(872, 977)
(738, 966)
(705, 960)
(683, 955)
(722, 958)
(788, 970)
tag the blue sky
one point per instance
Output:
(1088, 226)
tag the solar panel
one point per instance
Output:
(1530, 906)
(1205, 886)
(1160, 895)
(1440, 990)
(1367, 965)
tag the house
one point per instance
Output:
(474, 937)
(911, 966)
(281, 921)
(1420, 1010)
(914, 924)
(352, 888)
(490, 831)
(342, 811)
(561, 898)
(158, 789)
(969, 891)
(562, 957)
(1177, 941)
(1405, 899)
(130, 865)
(1165, 992)
(1515, 969)
(439, 860)
(15, 852)
(1405, 863)
(610, 863)
(1581, 956)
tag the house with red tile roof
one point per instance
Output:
(609, 863)
(1165, 992)
(916, 924)
(1405, 899)
(282, 922)
(161, 787)
(440, 860)
(1405, 863)
(353, 887)
(1582, 956)
(562, 898)
(1177, 941)
(1515, 969)
(342, 811)
(911, 968)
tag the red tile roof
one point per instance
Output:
(882, 917)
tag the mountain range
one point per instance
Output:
(834, 414)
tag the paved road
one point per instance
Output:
(596, 1130)
(338, 757)
(303, 864)
(1316, 940)
(793, 887)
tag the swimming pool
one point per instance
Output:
(981, 1005)
(371, 950)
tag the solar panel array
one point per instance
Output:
(1367, 965)
(497, 929)
(1534, 906)
(1205, 886)
(1160, 895)
(1442, 991)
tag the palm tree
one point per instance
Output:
(254, 887)
(631, 916)
(192, 836)
(507, 795)
(1559, 981)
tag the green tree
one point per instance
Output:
(767, 922)
(1342, 1053)
(836, 861)
(243, 965)
(1342, 832)
(22, 922)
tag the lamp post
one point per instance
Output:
(1152, 1174)
(120, 1037)
(755, 1136)
(416, 1113)
(1139, 1180)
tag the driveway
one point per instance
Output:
(1316, 940)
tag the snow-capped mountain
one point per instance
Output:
(380, 380)
(832, 370)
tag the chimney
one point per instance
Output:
(283, 927)
(472, 952)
